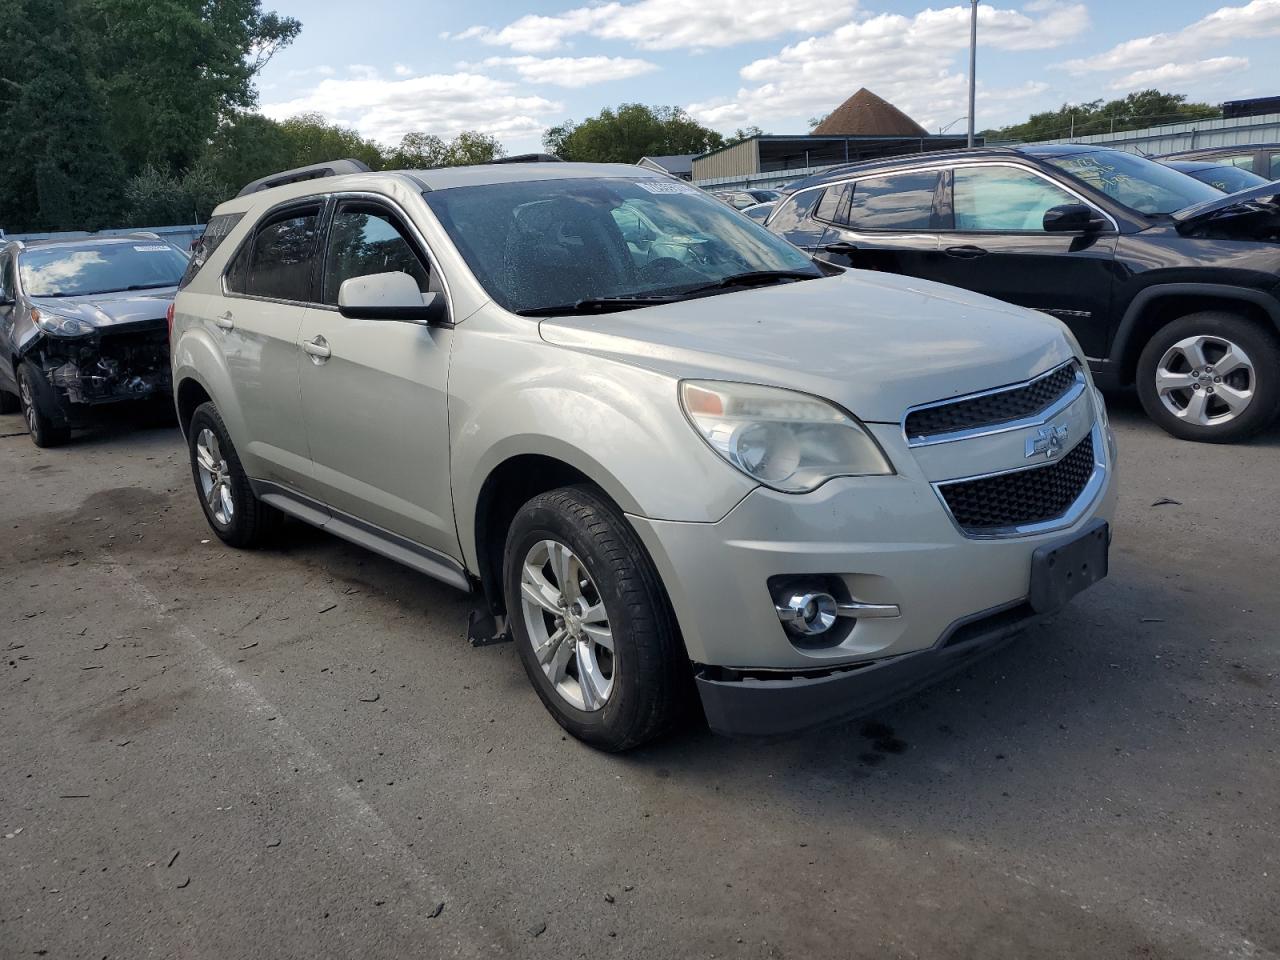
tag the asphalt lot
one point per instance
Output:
(294, 753)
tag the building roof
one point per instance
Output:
(864, 114)
(676, 163)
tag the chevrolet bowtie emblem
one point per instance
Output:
(1048, 442)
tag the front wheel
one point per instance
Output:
(1211, 377)
(35, 397)
(591, 621)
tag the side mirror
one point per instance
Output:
(390, 296)
(1072, 218)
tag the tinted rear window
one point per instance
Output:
(277, 262)
(902, 201)
(214, 233)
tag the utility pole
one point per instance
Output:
(973, 61)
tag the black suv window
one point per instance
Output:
(215, 232)
(1003, 198)
(366, 238)
(834, 206)
(793, 210)
(899, 201)
(276, 263)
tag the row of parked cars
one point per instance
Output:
(676, 457)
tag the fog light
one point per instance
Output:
(808, 614)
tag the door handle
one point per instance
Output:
(317, 349)
(966, 252)
(225, 321)
(841, 247)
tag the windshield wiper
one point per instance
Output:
(145, 286)
(755, 278)
(598, 305)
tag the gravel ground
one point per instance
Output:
(294, 753)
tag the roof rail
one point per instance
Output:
(330, 168)
(528, 158)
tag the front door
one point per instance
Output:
(886, 222)
(998, 246)
(374, 392)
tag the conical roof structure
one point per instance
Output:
(866, 115)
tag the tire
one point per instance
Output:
(1189, 403)
(633, 694)
(238, 517)
(39, 407)
(9, 402)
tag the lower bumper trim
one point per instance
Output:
(752, 703)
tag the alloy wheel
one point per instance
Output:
(1205, 380)
(568, 626)
(215, 477)
(28, 404)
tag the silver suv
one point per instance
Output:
(657, 442)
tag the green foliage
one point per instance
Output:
(1144, 108)
(155, 197)
(632, 131)
(422, 151)
(54, 173)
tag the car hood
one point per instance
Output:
(875, 343)
(111, 309)
(1262, 199)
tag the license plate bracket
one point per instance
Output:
(1062, 569)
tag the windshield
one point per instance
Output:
(1228, 179)
(100, 268)
(540, 244)
(1136, 182)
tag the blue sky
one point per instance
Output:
(386, 67)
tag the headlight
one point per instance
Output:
(786, 440)
(57, 326)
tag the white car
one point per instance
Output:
(660, 465)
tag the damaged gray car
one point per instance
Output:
(83, 324)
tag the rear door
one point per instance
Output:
(267, 286)
(996, 244)
(375, 392)
(886, 222)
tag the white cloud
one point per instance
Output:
(916, 63)
(401, 70)
(1252, 21)
(667, 24)
(324, 70)
(1180, 73)
(444, 104)
(573, 71)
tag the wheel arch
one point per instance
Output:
(187, 396)
(1157, 306)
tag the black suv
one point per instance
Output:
(1260, 158)
(1166, 283)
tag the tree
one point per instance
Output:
(1143, 108)
(158, 198)
(170, 71)
(745, 133)
(422, 151)
(309, 138)
(57, 171)
(632, 131)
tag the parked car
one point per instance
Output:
(807, 489)
(1220, 176)
(760, 211)
(82, 325)
(1260, 158)
(741, 199)
(1165, 282)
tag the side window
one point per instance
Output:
(1003, 198)
(1242, 160)
(276, 263)
(834, 206)
(366, 238)
(215, 232)
(1275, 167)
(6, 288)
(792, 211)
(901, 201)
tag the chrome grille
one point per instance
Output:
(984, 506)
(993, 408)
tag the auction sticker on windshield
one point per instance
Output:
(659, 186)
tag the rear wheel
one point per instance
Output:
(1211, 377)
(235, 514)
(35, 397)
(591, 621)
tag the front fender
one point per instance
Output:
(618, 424)
(196, 357)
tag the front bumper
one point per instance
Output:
(889, 541)
(118, 363)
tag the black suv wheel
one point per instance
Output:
(1212, 377)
